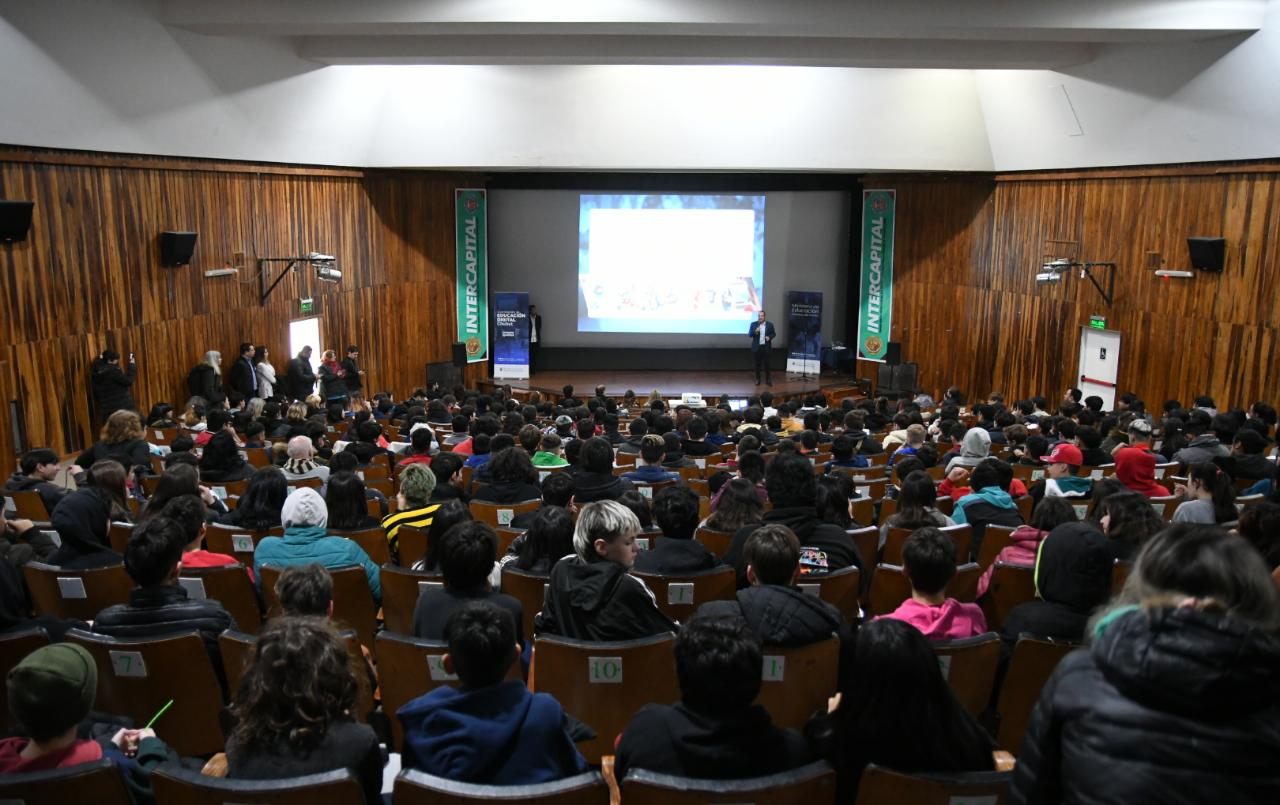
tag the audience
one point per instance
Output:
(82, 518)
(121, 441)
(512, 478)
(345, 497)
(547, 540)
(37, 471)
(1210, 496)
(414, 506)
(596, 481)
(301, 464)
(305, 541)
(676, 511)
(491, 729)
(714, 731)
(1072, 577)
(929, 563)
(739, 506)
(259, 507)
(1050, 513)
(917, 498)
(1128, 521)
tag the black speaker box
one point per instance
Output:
(1207, 254)
(15, 220)
(459, 354)
(446, 374)
(893, 353)
(176, 248)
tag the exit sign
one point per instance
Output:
(307, 306)
(1098, 322)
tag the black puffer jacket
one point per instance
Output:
(111, 386)
(1168, 706)
(599, 601)
(589, 487)
(830, 540)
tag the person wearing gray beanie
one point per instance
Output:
(305, 541)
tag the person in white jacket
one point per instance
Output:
(266, 373)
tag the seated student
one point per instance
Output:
(1248, 460)
(82, 519)
(1073, 578)
(649, 465)
(596, 481)
(714, 731)
(479, 450)
(989, 502)
(512, 478)
(793, 490)
(1128, 521)
(591, 595)
(1209, 495)
(49, 693)
(255, 436)
(750, 467)
(917, 499)
(414, 505)
(221, 460)
(294, 709)
(557, 490)
(737, 504)
(676, 511)
(774, 607)
(929, 563)
(636, 431)
(695, 443)
(547, 540)
(348, 502)
(915, 440)
(490, 729)
(898, 712)
(306, 540)
(466, 561)
(550, 452)
(843, 454)
(1136, 469)
(1048, 514)
(37, 470)
(189, 512)
(1260, 526)
(447, 469)
(673, 457)
(307, 591)
(419, 451)
(450, 513)
(259, 507)
(159, 605)
(1060, 479)
(1089, 441)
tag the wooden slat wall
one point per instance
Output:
(968, 311)
(89, 275)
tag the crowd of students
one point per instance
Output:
(1173, 697)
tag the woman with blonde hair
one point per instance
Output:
(121, 440)
(205, 380)
(1177, 698)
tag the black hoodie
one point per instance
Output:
(1073, 577)
(50, 493)
(599, 601)
(829, 539)
(1168, 705)
(111, 386)
(81, 521)
(589, 487)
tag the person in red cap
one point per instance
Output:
(1060, 478)
(1136, 469)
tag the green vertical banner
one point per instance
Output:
(875, 300)
(472, 272)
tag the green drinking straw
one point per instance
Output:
(156, 717)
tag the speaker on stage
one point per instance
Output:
(176, 248)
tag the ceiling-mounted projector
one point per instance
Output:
(326, 273)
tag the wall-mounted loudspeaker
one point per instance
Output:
(459, 354)
(893, 353)
(1207, 254)
(176, 248)
(15, 220)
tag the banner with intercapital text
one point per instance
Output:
(875, 299)
(472, 272)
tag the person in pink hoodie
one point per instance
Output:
(929, 563)
(1050, 513)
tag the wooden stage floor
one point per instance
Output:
(672, 384)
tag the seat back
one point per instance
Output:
(138, 676)
(838, 588)
(408, 667)
(814, 784)
(417, 788)
(29, 505)
(412, 544)
(401, 588)
(867, 540)
(373, 541)
(863, 511)
(650, 490)
(305, 483)
(679, 596)
(98, 781)
(14, 646)
(236, 541)
(352, 601)
(1033, 661)
(175, 785)
(1120, 570)
(230, 585)
(881, 786)
(796, 682)
(501, 514)
(715, 541)
(961, 535)
(118, 535)
(1010, 585)
(889, 588)
(530, 589)
(969, 666)
(995, 538)
(79, 594)
(237, 655)
(604, 684)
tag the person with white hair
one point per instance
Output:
(301, 463)
(591, 594)
(306, 542)
(205, 379)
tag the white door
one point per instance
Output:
(304, 333)
(1099, 364)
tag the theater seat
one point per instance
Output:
(352, 600)
(715, 541)
(412, 544)
(530, 589)
(797, 681)
(1010, 585)
(969, 666)
(138, 676)
(229, 585)
(1033, 661)
(236, 541)
(416, 788)
(373, 541)
(604, 684)
(175, 785)
(401, 588)
(237, 655)
(881, 786)
(14, 646)
(814, 784)
(79, 594)
(838, 588)
(501, 514)
(961, 535)
(679, 596)
(28, 505)
(98, 782)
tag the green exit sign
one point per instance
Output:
(307, 307)
(1098, 322)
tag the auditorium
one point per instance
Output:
(415, 401)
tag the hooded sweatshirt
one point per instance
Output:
(824, 546)
(1136, 469)
(496, 735)
(81, 522)
(1073, 577)
(50, 493)
(589, 487)
(975, 447)
(987, 504)
(305, 542)
(599, 601)
(135, 771)
(951, 620)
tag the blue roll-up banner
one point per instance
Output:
(804, 328)
(511, 336)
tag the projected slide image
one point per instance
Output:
(670, 263)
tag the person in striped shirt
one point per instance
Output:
(414, 506)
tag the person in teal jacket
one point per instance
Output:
(305, 542)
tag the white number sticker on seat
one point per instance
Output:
(606, 670)
(71, 587)
(128, 663)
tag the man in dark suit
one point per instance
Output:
(243, 376)
(301, 377)
(355, 375)
(535, 337)
(762, 335)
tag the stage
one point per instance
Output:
(711, 385)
